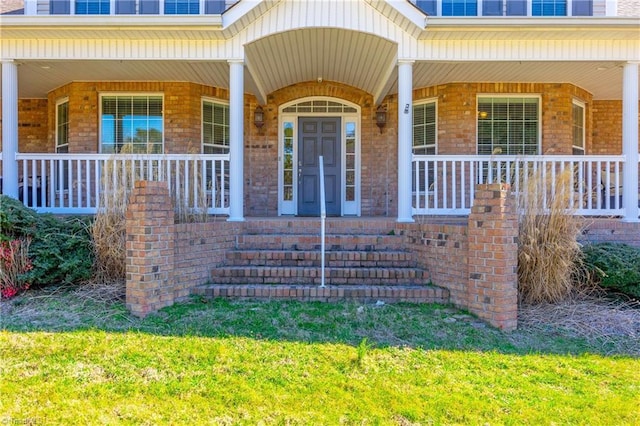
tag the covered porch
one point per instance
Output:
(371, 72)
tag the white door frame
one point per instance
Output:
(350, 115)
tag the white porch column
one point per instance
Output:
(9, 128)
(236, 140)
(405, 137)
(630, 141)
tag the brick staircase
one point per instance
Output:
(280, 259)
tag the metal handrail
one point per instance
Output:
(323, 217)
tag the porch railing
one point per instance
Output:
(76, 183)
(445, 185)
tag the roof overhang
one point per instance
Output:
(118, 27)
(509, 28)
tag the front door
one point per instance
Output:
(318, 136)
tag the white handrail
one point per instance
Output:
(323, 216)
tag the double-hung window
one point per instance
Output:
(508, 125)
(424, 142)
(132, 124)
(549, 7)
(181, 7)
(215, 127)
(62, 143)
(578, 128)
(459, 7)
(92, 7)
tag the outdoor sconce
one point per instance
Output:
(381, 117)
(258, 117)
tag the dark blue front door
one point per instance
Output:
(318, 136)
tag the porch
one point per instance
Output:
(441, 185)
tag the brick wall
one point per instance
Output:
(166, 260)
(610, 230)
(607, 127)
(198, 248)
(150, 248)
(32, 125)
(442, 249)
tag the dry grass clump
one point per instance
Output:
(548, 249)
(109, 232)
(118, 178)
(616, 323)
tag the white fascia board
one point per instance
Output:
(238, 10)
(532, 24)
(111, 21)
(409, 11)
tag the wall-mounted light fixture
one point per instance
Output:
(381, 117)
(258, 117)
(483, 114)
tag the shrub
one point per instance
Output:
(615, 265)
(548, 248)
(60, 250)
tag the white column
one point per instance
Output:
(630, 141)
(9, 128)
(236, 141)
(405, 136)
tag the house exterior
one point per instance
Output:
(407, 100)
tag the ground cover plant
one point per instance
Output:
(614, 266)
(73, 356)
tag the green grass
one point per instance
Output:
(70, 360)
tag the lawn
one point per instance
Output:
(68, 358)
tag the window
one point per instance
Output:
(181, 7)
(578, 128)
(424, 143)
(62, 143)
(350, 169)
(92, 7)
(459, 7)
(549, 8)
(215, 128)
(508, 125)
(132, 124)
(287, 164)
(424, 128)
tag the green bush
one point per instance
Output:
(616, 265)
(60, 249)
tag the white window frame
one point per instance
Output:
(583, 148)
(63, 168)
(59, 102)
(347, 208)
(538, 97)
(213, 101)
(133, 94)
(433, 101)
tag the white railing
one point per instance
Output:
(445, 185)
(75, 183)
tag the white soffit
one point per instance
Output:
(602, 79)
(349, 57)
(37, 78)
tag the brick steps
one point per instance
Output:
(280, 259)
(389, 294)
(311, 226)
(297, 242)
(313, 275)
(333, 259)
